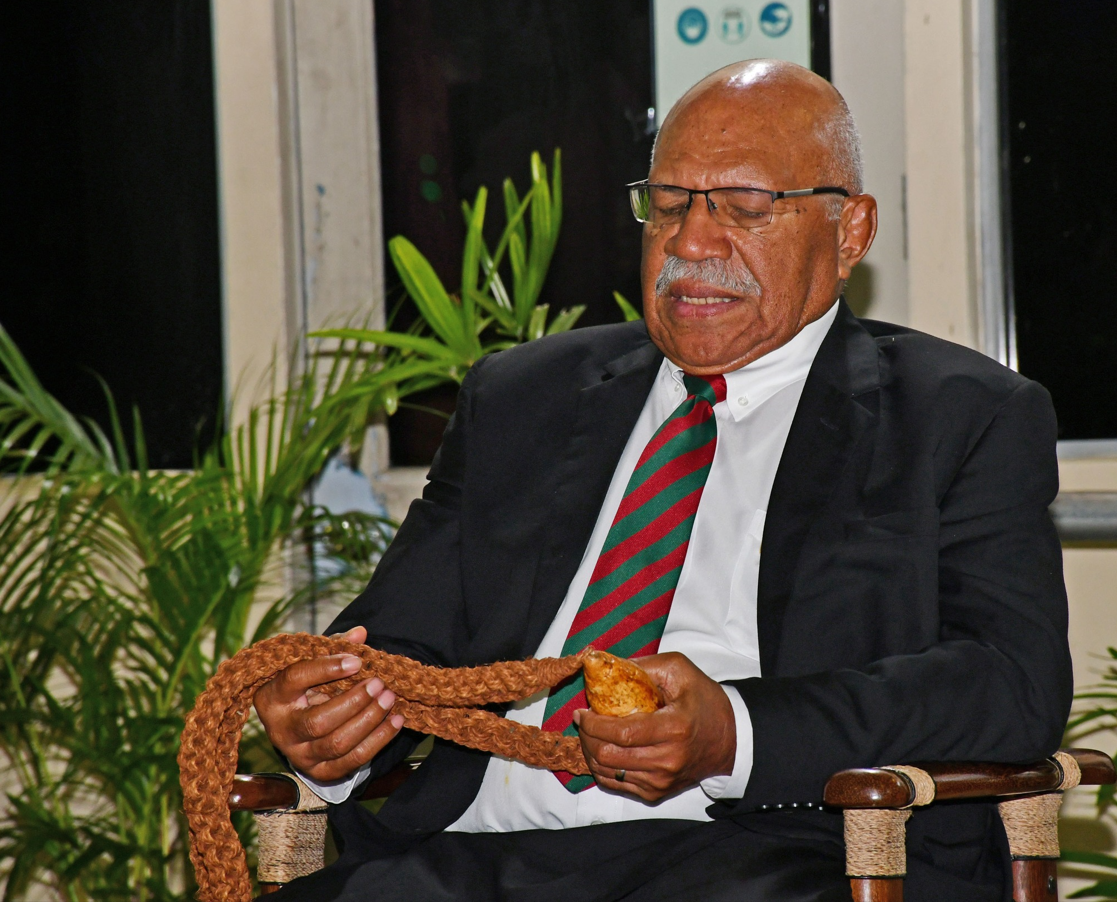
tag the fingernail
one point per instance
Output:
(350, 664)
(387, 699)
(578, 717)
(374, 687)
(397, 721)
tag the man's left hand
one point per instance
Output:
(692, 737)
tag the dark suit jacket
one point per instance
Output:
(911, 604)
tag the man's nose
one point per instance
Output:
(699, 237)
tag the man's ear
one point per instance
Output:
(857, 227)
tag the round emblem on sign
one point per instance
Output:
(775, 20)
(692, 25)
(734, 26)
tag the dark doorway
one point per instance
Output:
(467, 91)
(1060, 122)
(111, 256)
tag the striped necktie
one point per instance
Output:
(633, 583)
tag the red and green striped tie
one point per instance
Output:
(630, 591)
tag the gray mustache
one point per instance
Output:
(734, 278)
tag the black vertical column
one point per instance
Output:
(111, 258)
(1060, 127)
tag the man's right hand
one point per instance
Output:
(327, 738)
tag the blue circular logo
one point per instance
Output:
(775, 20)
(692, 25)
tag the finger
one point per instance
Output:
(642, 759)
(646, 774)
(370, 746)
(631, 731)
(332, 739)
(292, 682)
(319, 721)
(357, 635)
(633, 783)
(362, 753)
(670, 671)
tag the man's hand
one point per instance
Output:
(692, 737)
(322, 737)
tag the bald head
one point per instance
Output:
(793, 108)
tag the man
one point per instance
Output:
(908, 604)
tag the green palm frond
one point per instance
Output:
(121, 590)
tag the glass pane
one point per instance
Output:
(111, 259)
(669, 204)
(747, 209)
(1061, 111)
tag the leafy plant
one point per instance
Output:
(1096, 712)
(484, 315)
(631, 314)
(123, 587)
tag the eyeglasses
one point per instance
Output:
(736, 208)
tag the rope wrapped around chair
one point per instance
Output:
(1032, 822)
(433, 700)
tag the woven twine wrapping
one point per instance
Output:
(874, 837)
(431, 700)
(921, 781)
(292, 843)
(1072, 773)
(1032, 823)
(875, 842)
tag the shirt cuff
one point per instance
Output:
(733, 786)
(336, 791)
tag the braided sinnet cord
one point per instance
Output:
(431, 700)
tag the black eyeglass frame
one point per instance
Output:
(634, 187)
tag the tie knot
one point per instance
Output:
(709, 388)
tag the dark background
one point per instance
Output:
(467, 91)
(1060, 127)
(110, 257)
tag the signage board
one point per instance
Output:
(692, 38)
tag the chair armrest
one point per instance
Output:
(291, 820)
(877, 787)
(275, 792)
(875, 803)
(263, 792)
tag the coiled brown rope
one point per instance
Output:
(432, 700)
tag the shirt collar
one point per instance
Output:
(753, 384)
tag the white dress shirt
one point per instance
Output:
(713, 615)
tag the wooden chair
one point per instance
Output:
(876, 803)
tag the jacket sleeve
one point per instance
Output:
(996, 686)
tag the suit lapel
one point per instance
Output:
(838, 403)
(607, 408)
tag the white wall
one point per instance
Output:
(872, 83)
(250, 172)
(298, 161)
